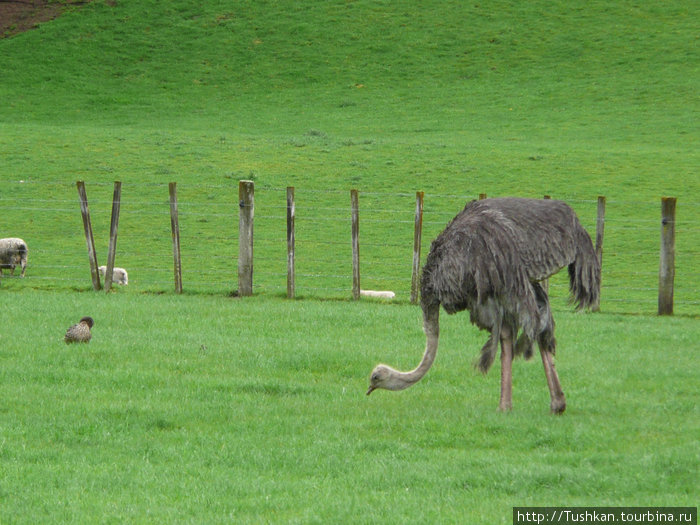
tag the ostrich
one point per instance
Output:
(490, 260)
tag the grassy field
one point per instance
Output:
(213, 410)
(204, 408)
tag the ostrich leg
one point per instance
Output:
(558, 401)
(506, 402)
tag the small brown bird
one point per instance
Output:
(80, 333)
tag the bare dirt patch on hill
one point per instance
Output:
(17, 16)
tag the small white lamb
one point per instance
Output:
(376, 293)
(119, 275)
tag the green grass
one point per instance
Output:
(207, 409)
(203, 408)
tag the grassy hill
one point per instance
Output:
(462, 94)
(547, 70)
(359, 64)
(451, 98)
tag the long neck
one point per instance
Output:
(431, 327)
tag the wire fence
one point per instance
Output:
(208, 219)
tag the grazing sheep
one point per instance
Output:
(13, 251)
(119, 275)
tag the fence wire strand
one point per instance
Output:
(208, 217)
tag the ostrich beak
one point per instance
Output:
(371, 389)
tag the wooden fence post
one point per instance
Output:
(600, 229)
(599, 232)
(85, 211)
(417, 235)
(113, 228)
(667, 268)
(246, 196)
(354, 200)
(175, 230)
(290, 242)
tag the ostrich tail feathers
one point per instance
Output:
(584, 273)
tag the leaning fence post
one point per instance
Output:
(290, 242)
(354, 200)
(417, 235)
(246, 196)
(175, 229)
(599, 231)
(667, 267)
(92, 256)
(113, 227)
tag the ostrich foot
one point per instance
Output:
(505, 406)
(556, 394)
(557, 406)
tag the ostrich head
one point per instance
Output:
(385, 377)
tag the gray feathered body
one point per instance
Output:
(490, 258)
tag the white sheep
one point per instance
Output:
(13, 251)
(119, 275)
(376, 293)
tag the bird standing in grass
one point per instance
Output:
(80, 333)
(490, 260)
